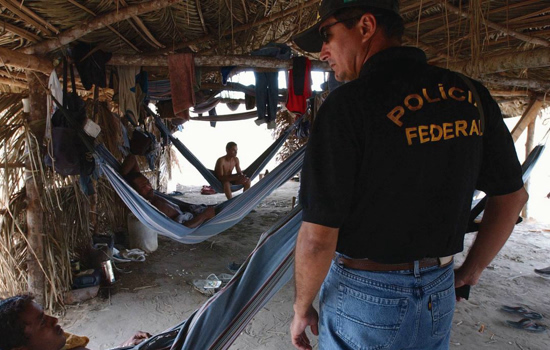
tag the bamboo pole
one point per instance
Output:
(33, 184)
(99, 22)
(531, 112)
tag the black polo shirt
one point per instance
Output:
(395, 156)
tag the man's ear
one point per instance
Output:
(367, 25)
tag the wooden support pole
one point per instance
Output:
(528, 148)
(531, 112)
(33, 185)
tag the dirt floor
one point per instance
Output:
(158, 294)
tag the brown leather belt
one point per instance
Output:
(369, 265)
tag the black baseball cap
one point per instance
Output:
(310, 40)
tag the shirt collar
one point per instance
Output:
(397, 53)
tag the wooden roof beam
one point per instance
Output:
(99, 22)
(531, 84)
(509, 61)
(504, 29)
(20, 60)
(509, 93)
(214, 61)
(246, 26)
(531, 112)
(14, 83)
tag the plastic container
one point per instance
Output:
(140, 236)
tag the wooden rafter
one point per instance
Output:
(531, 112)
(529, 15)
(532, 84)
(25, 17)
(20, 60)
(116, 32)
(149, 37)
(508, 93)
(99, 22)
(509, 61)
(504, 29)
(243, 27)
(20, 31)
(14, 83)
(213, 61)
(201, 17)
(31, 13)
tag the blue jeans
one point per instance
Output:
(366, 310)
(267, 93)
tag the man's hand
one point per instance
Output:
(299, 325)
(463, 277)
(241, 179)
(136, 339)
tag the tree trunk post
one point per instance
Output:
(33, 186)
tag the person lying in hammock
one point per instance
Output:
(25, 326)
(196, 215)
(224, 170)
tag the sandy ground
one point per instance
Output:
(157, 294)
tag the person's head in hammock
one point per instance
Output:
(25, 326)
(191, 218)
(141, 184)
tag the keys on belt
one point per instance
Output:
(369, 265)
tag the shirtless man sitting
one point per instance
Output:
(196, 215)
(224, 170)
(25, 326)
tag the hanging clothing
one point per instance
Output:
(57, 92)
(127, 83)
(299, 85)
(226, 71)
(182, 82)
(267, 91)
(267, 83)
(90, 67)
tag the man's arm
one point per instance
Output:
(238, 166)
(499, 219)
(315, 247)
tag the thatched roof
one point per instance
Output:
(505, 43)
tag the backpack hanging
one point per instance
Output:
(68, 149)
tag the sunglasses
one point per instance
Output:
(323, 32)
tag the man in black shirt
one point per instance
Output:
(411, 142)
